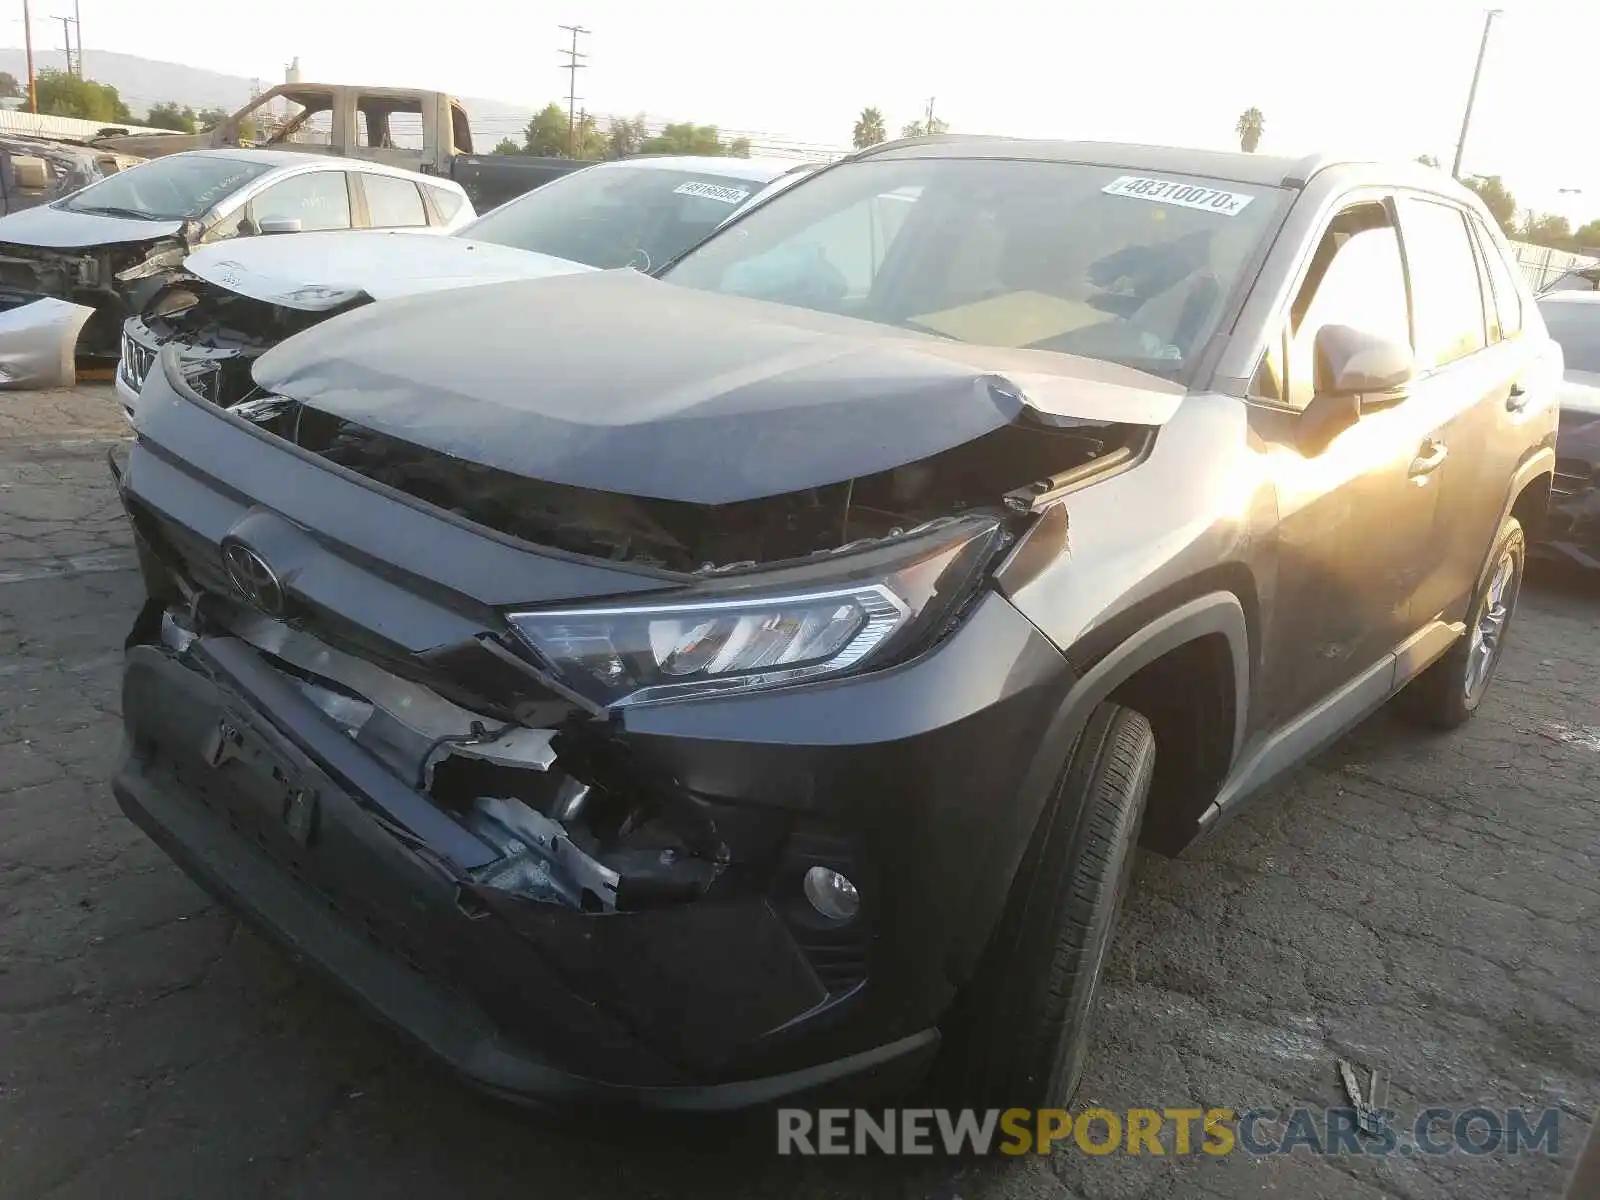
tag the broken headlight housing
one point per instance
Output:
(850, 612)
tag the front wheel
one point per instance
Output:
(1449, 692)
(1023, 1032)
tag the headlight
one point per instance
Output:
(749, 638)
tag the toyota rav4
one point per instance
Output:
(723, 686)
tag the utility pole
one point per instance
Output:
(1472, 92)
(573, 65)
(66, 36)
(927, 125)
(77, 24)
(27, 39)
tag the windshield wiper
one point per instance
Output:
(909, 323)
(111, 210)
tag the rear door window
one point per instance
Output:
(1445, 290)
(447, 202)
(392, 203)
(1506, 307)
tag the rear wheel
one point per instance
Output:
(1449, 692)
(1023, 1031)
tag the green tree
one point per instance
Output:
(507, 146)
(1428, 160)
(1250, 126)
(870, 129)
(625, 135)
(546, 134)
(63, 95)
(1547, 229)
(210, 118)
(589, 141)
(686, 137)
(170, 116)
(1587, 235)
(924, 128)
(1502, 205)
(739, 148)
(8, 85)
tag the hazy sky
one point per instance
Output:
(1382, 77)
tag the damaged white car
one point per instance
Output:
(234, 302)
(111, 246)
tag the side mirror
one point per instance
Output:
(280, 225)
(1357, 372)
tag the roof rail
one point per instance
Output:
(927, 139)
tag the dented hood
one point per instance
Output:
(615, 381)
(54, 228)
(315, 272)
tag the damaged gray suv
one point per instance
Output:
(701, 690)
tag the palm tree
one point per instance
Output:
(1249, 128)
(870, 129)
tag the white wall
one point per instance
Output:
(63, 127)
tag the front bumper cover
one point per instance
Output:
(715, 1004)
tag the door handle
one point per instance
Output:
(1518, 399)
(1425, 464)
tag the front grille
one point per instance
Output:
(137, 360)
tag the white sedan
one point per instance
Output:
(107, 249)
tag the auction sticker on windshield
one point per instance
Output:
(1171, 191)
(712, 191)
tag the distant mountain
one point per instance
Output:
(142, 82)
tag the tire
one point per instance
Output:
(1449, 692)
(1021, 1034)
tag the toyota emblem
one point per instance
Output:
(255, 580)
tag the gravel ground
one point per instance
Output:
(1426, 905)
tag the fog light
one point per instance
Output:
(831, 894)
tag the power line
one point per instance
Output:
(573, 66)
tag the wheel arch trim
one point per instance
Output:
(1214, 613)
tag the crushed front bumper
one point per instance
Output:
(220, 373)
(721, 1003)
(383, 915)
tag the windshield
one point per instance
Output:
(167, 189)
(615, 216)
(1576, 327)
(1088, 260)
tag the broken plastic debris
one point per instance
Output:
(1369, 1109)
(39, 343)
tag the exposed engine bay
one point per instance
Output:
(115, 280)
(222, 333)
(1006, 469)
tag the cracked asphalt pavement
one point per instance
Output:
(1424, 904)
